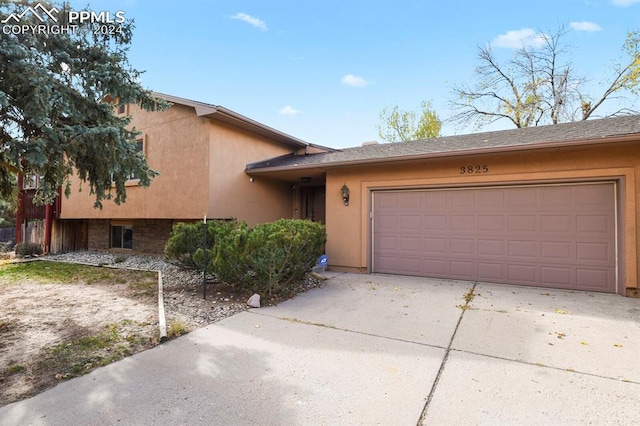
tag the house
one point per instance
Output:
(552, 206)
(200, 151)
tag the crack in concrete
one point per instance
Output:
(468, 299)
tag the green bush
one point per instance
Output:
(270, 259)
(27, 248)
(185, 242)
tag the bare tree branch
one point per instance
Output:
(537, 87)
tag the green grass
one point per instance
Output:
(81, 355)
(57, 272)
(16, 368)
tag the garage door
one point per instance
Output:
(560, 236)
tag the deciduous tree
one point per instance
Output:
(399, 125)
(539, 86)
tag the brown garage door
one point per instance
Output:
(560, 236)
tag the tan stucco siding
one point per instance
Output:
(348, 227)
(177, 146)
(233, 193)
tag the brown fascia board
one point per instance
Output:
(473, 151)
(228, 116)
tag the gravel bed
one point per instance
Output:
(183, 289)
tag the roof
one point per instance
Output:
(220, 113)
(574, 133)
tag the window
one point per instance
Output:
(139, 148)
(132, 179)
(30, 182)
(121, 109)
(122, 236)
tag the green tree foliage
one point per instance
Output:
(399, 125)
(54, 116)
(538, 86)
(270, 259)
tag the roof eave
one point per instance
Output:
(228, 116)
(474, 151)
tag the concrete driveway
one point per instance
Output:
(377, 349)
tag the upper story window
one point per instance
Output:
(29, 182)
(140, 145)
(121, 109)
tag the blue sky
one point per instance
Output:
(323, 70)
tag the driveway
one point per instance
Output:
(377, 349)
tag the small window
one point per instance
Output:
(122, 236)
(121, 109)
(30, 182)
(139, 148)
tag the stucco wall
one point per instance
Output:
(348, 228)
(233, 193)
(176, 145)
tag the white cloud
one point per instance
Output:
(516, 39)
(354, 80)
(288, 110)
(625, 3)
(586, 26)
(251, 20)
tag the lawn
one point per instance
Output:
(61, 320)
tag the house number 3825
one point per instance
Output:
(477, 169)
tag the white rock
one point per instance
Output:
(254, 301)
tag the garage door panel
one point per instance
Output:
(523, 223)
(408, 222)
(556, 198)
(436, 222)
(521, 199)
(461, 246)
(491, 248)
(459, 222)
(491, 272)
(556, 236)
(594, 198)
(461, 200)
(556, 250)
(435, 267)
(593, 252)
(410, 244)
(522, 274)
(386, 222)
(520, 248)
(434, 200)
(490, 223)
(556, 276)
(412, 265)
(462, 269)
(490, 200)
(435, 246)
(592, 278)
(557, 223)
(594, 224)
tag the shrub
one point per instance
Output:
(270, 258)
(6, 246)
(185, 242)
(27, 248)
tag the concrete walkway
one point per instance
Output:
(377, 349)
